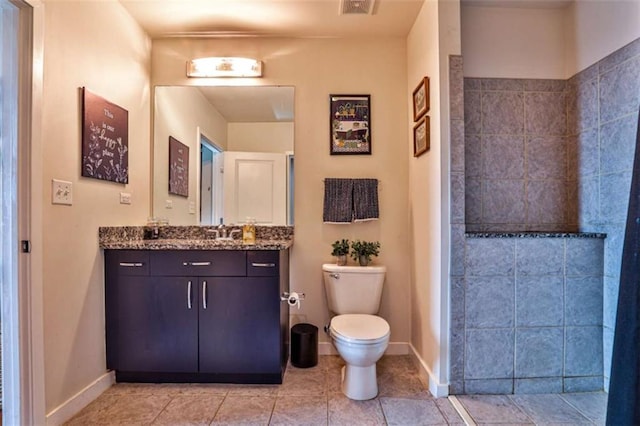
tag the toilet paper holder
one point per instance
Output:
(293, 298)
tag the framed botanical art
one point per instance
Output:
(105, 139)
(421, 99)
(421, 137)
(350, 118)
(178, 168)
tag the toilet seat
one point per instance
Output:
(359, 329)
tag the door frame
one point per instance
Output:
(30, 405)
(216, 184)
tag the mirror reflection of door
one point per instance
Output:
(210, 183)
(255, 186)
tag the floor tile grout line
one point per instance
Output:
(592, 420)
(162, 410)
(521, 408)
(224, 398)
(462, 412)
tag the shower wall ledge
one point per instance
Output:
(534, 235)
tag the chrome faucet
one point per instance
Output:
(222, 231)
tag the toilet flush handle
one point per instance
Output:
(334, 275)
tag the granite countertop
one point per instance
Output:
(534, 234)
(188, 244)
(191, 238)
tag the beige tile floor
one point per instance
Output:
(312, 397)
(308, 396)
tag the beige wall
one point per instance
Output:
(82, 48)
(597, 28)
(317, 68)
(261, 137)
(513, 42)
(552, 43)
(185, 114)
(435, 35)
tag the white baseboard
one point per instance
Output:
(73, 405)
(437, 389)
(394, 348)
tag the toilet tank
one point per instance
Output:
(353, 289)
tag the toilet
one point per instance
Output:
(359, 336)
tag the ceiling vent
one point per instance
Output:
(356, 7)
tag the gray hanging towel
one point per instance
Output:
(365, 199)
(338, 201)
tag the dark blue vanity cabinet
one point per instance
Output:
(197, 316)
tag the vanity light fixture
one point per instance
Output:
(224, 67)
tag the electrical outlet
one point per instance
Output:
(125, 198)
(192, 207)
(61, 192)
(168, 204)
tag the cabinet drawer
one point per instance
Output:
(127, 262)
(221, 263)
(263, 263)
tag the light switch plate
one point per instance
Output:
(125, 198)
(61, 192)
(192, 207)
(168, 204)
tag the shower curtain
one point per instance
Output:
(624, 388)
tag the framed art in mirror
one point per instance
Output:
(421, 137)
(350, 118)
(421, 99)
(178, 168)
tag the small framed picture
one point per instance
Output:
(350, 119)
(421, 137)
(421, 99)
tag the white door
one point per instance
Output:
(255, 185)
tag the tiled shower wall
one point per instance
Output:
(603, 102)
(516, 155)
(596, 152)
(533, 315)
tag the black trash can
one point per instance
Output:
(304, 345)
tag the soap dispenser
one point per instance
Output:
(249, 232)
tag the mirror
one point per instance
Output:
(223, 154)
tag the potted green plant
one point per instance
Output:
(363, 250)
(340, 251)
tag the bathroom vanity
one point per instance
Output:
(196, 310)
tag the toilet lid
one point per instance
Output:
(359, 327)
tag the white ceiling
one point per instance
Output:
(251, 103)
(288, 18)
(275, 18)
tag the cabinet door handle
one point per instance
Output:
(196, 263)
(132, 264)
(189, 295)
(263, 265)
(204, 295)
